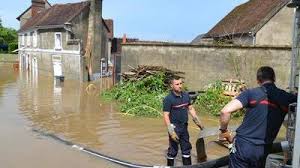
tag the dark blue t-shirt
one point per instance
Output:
(266, 109)
(177, 106)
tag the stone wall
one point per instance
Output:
(205, 64)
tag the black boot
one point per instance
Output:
(186, 161)
(170, 162)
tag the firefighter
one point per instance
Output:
(176, 106)
(266, 107)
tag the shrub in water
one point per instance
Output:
(140, 98)
(213, 100)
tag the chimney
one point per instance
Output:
(110, 25)
(37, 6)
(94, 51)
(124, 39)
(96, 11)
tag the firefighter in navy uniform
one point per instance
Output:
(266, 107)
(176, 107)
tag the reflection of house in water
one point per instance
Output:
(67, 111)
(67, 40)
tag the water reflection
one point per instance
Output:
(20, 147)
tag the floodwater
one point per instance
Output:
(30, 101)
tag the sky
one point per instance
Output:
(160, 20)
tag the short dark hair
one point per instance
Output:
(172, 78)
(265, 73)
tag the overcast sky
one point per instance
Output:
(167, 20)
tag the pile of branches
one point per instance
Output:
(143, 71)
(142, 90)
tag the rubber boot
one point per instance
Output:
(170, 162)
(186, 161)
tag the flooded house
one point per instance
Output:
(70, 40)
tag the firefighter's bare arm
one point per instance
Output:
(225, 114)
(196, 120)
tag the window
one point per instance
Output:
(28, 39)
(58, 41)
(22, 39)
(34, 39)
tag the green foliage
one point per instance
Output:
(2, 41)
(140, 98)
(12, 46)
(213, 100)
(8, 37)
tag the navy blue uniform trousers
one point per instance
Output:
(185, 145)
(247, 155)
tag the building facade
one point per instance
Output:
(69, 40)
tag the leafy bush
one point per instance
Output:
(140, 98)
(12, 46)
(8, 38)
(213, 100)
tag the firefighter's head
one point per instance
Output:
(265, 74)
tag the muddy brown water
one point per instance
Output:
(30, 101)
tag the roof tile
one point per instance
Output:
(248, 17)
(54, 16)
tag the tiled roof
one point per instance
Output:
(57, 15)
(247, 18)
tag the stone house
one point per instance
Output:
(256, 22)
(70, 40)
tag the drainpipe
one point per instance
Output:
(254, 39)
(251, 34)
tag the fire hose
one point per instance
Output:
(92, 152)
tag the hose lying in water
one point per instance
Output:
(223, 161)
(92, 152)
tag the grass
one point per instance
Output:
(8, 57)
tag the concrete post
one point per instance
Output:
(294, 69)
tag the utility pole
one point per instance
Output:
(293, 79)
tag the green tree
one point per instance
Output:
(8, 37)
(2, 41)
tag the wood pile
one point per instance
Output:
(233, 87)
(143, 71)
